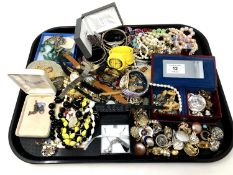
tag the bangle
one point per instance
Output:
(98, 56)
(120, 57)
(113, 38)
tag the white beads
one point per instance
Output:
(170, 87)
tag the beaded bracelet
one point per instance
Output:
(164, 41)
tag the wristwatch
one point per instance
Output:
(106, 88)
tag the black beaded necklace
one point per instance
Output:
(80, 131)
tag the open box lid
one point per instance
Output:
(95, 21)
(185, 71)
(33, 81)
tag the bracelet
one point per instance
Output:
(107, 44)
(163, 41)
(120, 57)
(170, 87)
(140, 46)
(97, 51)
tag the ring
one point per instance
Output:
(205, 135)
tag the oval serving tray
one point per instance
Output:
(28, 151)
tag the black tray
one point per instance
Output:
(28, 151)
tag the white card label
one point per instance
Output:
(175, 69)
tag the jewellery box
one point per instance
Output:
(189, 74)
(34, 121)
(94, 22)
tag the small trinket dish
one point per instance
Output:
(52, 69)
(34, 120)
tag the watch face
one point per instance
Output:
(115, 63)
(196, 103)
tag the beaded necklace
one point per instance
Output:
(74, 125)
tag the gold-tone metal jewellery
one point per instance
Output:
(154, 138)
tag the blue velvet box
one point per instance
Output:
(188, 74)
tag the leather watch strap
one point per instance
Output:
(106, 88)
(75, 63)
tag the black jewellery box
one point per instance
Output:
(190, 75)
(95, 22)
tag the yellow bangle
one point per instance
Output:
(120, 57)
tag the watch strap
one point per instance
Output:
(75, 63)
(106, 88)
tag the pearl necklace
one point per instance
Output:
(170, 87)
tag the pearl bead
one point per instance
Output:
(196, 127)
(175, 152)
(139, 149)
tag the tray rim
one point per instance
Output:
(89, 160)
